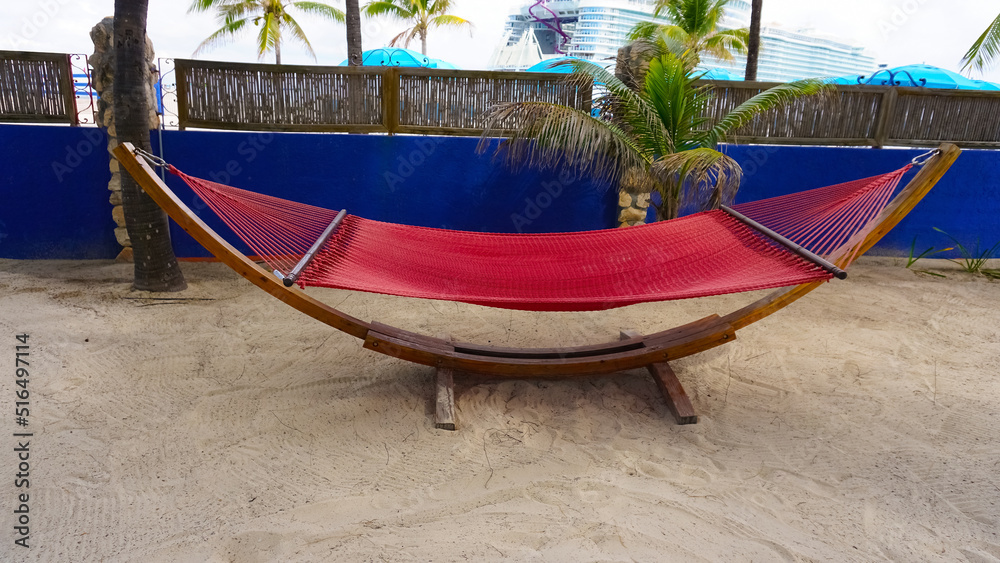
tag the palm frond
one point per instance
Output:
(766, 100)
(643, 30)
(296, 31)
(727, 42)
(547, 135)
(405, 37)
(678, 102)
(389, 8)
(203, 5)
(704, 177)
(221, 36)
(985, 50)
(233, 11)
(629, 109)
(269, 36)
(322, 10)
(447, 20)
(438, 7)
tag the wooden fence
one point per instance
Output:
(453, 102)
(36, 88)
(868, 115)
(359, 99)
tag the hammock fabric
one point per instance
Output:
(708, 253)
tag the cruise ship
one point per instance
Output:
(595, 29)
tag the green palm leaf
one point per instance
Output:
(547, 135)
(702, 176)
(418, 15)
(389, 8)
(320, 9)
(985, 50)
(271, 16)
(222, 36)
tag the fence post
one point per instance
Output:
(181, 75)
(390, 100)
(68, 90)
(885, 111)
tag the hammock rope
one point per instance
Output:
(708, 253)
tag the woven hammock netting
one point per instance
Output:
(708, 253)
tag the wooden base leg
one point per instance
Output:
(677, 400)
(673, 392)
(444, 411)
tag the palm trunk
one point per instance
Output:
(423, 41)
(155, 265)
(354, 48)
(753, 46)
(277, 52)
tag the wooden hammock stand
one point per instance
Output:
(633, 350)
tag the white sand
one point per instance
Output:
(861, 423)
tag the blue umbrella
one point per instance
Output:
(553, 65)
(438, 63)
(849, 79)
(920, 76)
(391, 56)
(717, 74)
(984, 85)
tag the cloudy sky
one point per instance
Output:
(936, 32)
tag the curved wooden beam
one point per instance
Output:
(610, 357)
(225, 252)
(899, 207)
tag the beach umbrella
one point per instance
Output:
(920, 75)
(717, 74)
(392, 56)
(438, 63)
(984, 85)
(553, 65)
(848, 79)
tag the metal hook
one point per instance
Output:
(922, 159)
(151, 158)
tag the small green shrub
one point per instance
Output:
(911, 259)
(973, 260)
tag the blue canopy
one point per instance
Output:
(984, 85)
(392, 56)
(550, 65)
(918, 75)
(717, 74)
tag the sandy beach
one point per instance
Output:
(861, 423)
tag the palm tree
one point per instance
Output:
(694, 30)
(657, 139)
(353, 17)
(985, 50)
(753, 45)
(154, 263)
(418, 13)
(271, 16)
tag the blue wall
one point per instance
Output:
(965, 203)
(54, 193)
(427, 181)
(54, 198)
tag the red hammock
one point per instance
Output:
(708, 253)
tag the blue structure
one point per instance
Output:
(54, 190)
(717, 74)
(55, 196)
(919, 76)
(392, 56)
(556, 64)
